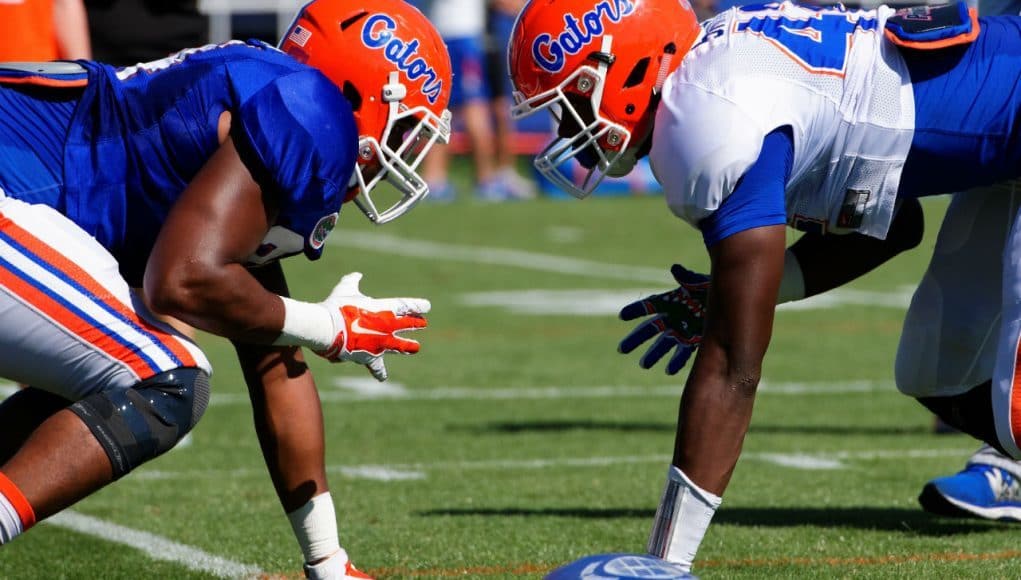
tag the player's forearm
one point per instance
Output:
(288, 420)
(716, 407)
(227, 301)
(715, 412)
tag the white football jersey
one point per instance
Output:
(829, 74)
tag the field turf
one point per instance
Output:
(518, 439)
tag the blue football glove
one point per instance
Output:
(678, 317)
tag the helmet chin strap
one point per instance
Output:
(601, 68)
(628, 158)
(393, 93)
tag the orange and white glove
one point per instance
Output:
(350, 326)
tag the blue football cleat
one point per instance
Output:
(980, 491)
(620, 567)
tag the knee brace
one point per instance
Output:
(137, 424)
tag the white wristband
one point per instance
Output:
(306, 324)
(792, 284)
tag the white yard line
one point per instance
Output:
(415, 471)
(835, 460)
(357, 389)
(799, 460)
(532, 393)
(369, 387)
(379, 473)
(419, 248)
(605, 302)
(154, 546)
(899, 299)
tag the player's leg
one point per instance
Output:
(1006, 391)
(21, 413)
(949, 347)
(478, 123)
(948, 343)
(437, 164)
(500, 24)
(468, 102)
(70, 325)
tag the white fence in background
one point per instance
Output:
(220, 11)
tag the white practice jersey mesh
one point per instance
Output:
(828, 74)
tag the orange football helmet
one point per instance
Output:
(597, 67)
(392, 65)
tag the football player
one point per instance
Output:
(830, 120)
(189, 178)
(989, 487)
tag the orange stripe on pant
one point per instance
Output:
(75, 324)
(1015, 397)
(81, 277)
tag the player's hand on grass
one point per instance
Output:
(367, 328)
(677, 318)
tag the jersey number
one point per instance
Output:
(817, 40)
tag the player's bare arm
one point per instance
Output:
(286, 409)
(196, 271)
(716, 407)
(814, 264)
(289, 423)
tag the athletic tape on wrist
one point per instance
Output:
(682, 519)
(315, 527)
(306, 324)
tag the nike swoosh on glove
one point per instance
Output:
(368, 327)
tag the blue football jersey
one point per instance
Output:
(132, 138)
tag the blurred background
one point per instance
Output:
(489, 153)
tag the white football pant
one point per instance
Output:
(964, 322)
(69, 323)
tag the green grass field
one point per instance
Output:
(518, 439)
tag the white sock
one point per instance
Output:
(682, 519)
(10, 522)
(315, 527)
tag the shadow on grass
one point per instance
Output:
(866, 518)
(561, 426)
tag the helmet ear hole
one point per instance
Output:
(637, 74)
(352, 95)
